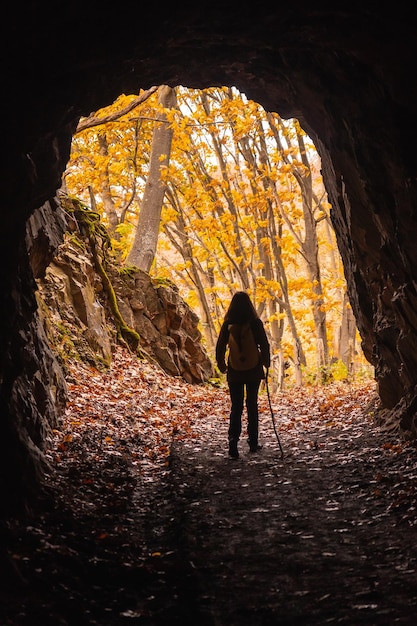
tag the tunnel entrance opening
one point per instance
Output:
(243, 207)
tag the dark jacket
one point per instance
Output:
(244, 376)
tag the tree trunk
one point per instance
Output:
(277, 271)
(347, 336)
(109, 209)
(228, 195)
(308, 244)
(181, 243)
(146, 235)
(311, 254)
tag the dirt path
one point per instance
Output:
(326, 535)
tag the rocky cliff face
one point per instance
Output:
(343, 69)
(76, 311)
(168, 328)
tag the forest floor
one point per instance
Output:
(149, 522)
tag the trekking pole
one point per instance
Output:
(272, 414)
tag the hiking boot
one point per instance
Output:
(255, 447)
(233, 451)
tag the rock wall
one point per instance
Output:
(76, 310)
(168, 328)
(33, 388)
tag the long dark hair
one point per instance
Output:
(241, 310)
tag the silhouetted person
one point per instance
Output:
(243, 337)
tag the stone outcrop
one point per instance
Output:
(74, 319)
(168, 328)
(75, 305)
(345, 70)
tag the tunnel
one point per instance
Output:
(344, 70)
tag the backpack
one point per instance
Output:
(243, 350)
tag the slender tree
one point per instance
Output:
(297, 160)
(145, 241)
(109, 206)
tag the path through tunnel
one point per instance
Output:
(146, 519)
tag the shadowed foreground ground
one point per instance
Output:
(326, 535)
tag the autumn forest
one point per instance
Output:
(208, 190)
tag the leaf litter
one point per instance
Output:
(146, 520)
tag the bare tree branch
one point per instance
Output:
(92, 120)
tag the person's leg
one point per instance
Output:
(253, 415)
(236, 391)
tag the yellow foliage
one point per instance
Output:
(223, 210)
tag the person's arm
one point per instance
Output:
(263, 343)
(221, 346)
